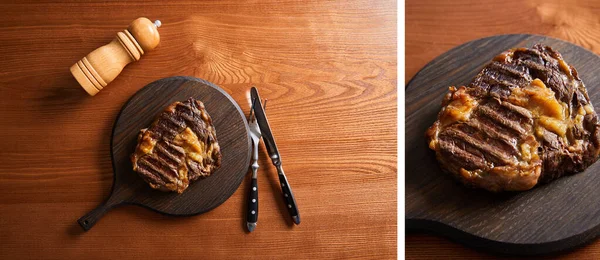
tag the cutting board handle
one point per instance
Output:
(90, 219)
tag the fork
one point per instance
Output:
(252, 214)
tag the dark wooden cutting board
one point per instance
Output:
(549, 218)
(202, 195)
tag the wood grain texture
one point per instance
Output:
(203, 194)
(434, 27)
(547, 219)
(327, 68)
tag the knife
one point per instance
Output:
(269, 141)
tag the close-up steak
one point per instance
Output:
(178, 148)
(525, 119)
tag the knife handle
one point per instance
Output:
(288, 196)
(252, 214)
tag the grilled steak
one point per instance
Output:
(526, 118)
(179, 147)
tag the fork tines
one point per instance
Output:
(252, 117)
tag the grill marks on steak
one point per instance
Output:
(179, 147)
(525, 118)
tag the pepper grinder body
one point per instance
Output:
(103, 65)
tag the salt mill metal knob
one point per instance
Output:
(103, 65)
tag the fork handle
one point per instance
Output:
(252, 214)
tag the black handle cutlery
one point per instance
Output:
(259, 127)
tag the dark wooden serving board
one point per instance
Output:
(203, 194)
(549, 218)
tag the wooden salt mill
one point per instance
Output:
(101, 66)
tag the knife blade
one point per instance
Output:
(273, 152)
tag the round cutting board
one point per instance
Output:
(205, 193)
(549, 218)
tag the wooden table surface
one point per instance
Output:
(327, 68)
(435, 26)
